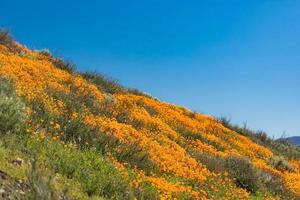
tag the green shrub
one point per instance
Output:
(147, 191)
(276, 186)
(45, 52)
(104, 83)
(280, 163)
(244, 174)
(259, 137)
(6, 87)
(214, 164)
(288, 151)
(6, 39)
(139, 93)
(94, 173)
(77, 132)
(40, 183)
(64, 65)
(191, 136)
(132, 154)
(11, 109)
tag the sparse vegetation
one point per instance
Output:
(104, 83)
(278, 147)
(11, 109)
(6, 39)
(280, 163)
(244, 174)
(64, 65)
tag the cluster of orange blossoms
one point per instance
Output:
(153, 125)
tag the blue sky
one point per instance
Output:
(239, 59)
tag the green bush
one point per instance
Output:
(94, 173)
(45, 52)
(276, 186)
(139, 93)
(40, 183)
(77, 132)
(104, 83)
(6, 87)
(259, 137)
(213, 163)
(279, 163)
(11, 109)
(109, 85)
(244, 174)
(64, 65)
(6, 39)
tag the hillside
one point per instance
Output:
(72, 135)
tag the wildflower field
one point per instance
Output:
(72, 135)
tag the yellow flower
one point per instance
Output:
(42, 135)
(57, 126)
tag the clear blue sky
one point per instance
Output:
(239, 59)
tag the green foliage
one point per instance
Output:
(214, 164)
(284, 149)
(280, 163)
(278, 147)
(104, 83)
(109, 85)
(95, 174)
(6, 87)
(259, 137)
(58, 62)
(9, 176)
(131, 154)
(147, 191)
(45, 52)
(244, 174)
(40, 183)
(191, 136)
(75, 131)
(11, 109)
(6, 39)
(139, 93)
(56, 172)
(64, 65)
(275, 186)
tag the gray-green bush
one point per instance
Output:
(104, 83)
(6, 39)
(244, 174)
(11, 109)
(280, 163)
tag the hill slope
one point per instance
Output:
(79, 136)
